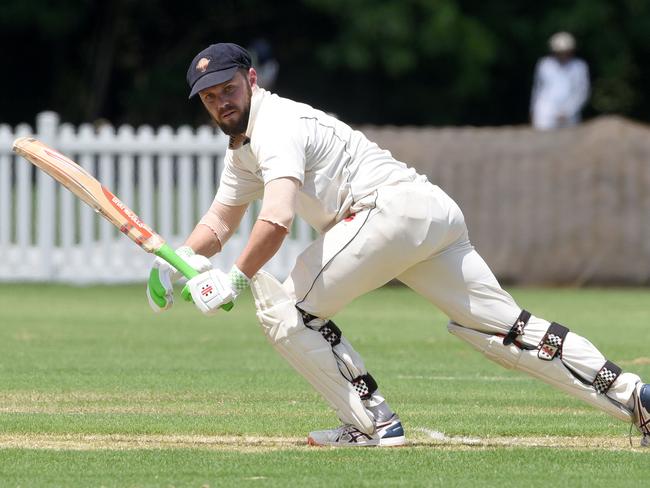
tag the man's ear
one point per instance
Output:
(252, 77)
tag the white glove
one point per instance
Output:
(160, 292)
(215, 289)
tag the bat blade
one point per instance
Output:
(87, 188)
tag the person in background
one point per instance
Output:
(561, 85)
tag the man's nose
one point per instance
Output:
(223, 101)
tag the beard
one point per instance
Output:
(237, 126)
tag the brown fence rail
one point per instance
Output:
(561, 207)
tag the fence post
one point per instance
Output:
(5, 199)
(46, 128)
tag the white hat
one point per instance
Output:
(562, 42)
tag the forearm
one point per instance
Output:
(272, 225)
(203, 241)
(265, 240)
(215, 228)
(214, 289)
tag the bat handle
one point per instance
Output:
(169, 255)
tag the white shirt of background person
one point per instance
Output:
(561, 85)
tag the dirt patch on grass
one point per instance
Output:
(637, 361)
(421, 438)
(430, 438)
(92, 442)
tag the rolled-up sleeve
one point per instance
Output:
(238, 186)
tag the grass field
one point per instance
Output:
(95, 390)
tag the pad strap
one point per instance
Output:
(329, 330)
(365, 385)
(551, 344)
(331, 333)
(306, 316)
(606, 377)
(517, 328)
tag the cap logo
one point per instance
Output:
(202, 65)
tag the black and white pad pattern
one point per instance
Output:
(331, 333)
(517, 328)
(365, 386)
(328, 330)
(606, 377)
(551, 344)
(361, 387)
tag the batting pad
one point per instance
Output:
(306, 350)
(552, 372)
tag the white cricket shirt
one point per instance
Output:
(336, 165)
(559, 89)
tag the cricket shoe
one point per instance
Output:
(642, 411)
(388, 433)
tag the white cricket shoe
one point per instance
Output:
(388, 433)
(642, 411)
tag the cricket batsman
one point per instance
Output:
(378, 220)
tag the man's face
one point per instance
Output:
(229, 103)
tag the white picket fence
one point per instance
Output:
(167, 177)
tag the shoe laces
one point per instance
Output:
(343, 429)
(642, 425)
(351, 433)
(645, 440)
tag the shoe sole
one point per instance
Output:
(389, 442)
(392, 441)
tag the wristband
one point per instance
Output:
(238, 280)
(185, 251)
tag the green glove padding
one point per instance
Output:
(156, 290)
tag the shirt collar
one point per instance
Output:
(256, 101)
(259, 94)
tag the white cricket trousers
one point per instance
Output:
(416, 233)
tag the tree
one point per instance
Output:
(369, 61)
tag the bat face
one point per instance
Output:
(91, 191)
(131, 226)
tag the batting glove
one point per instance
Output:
(160, 292)
(214, 289)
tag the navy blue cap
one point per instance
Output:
(215, 64)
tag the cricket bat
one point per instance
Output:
(100, 199)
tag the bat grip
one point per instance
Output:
(169, 255)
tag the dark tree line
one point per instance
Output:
(370, 61)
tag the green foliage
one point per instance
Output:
(52, 20)
(398, 36)
(487, 50)
(369, 61)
